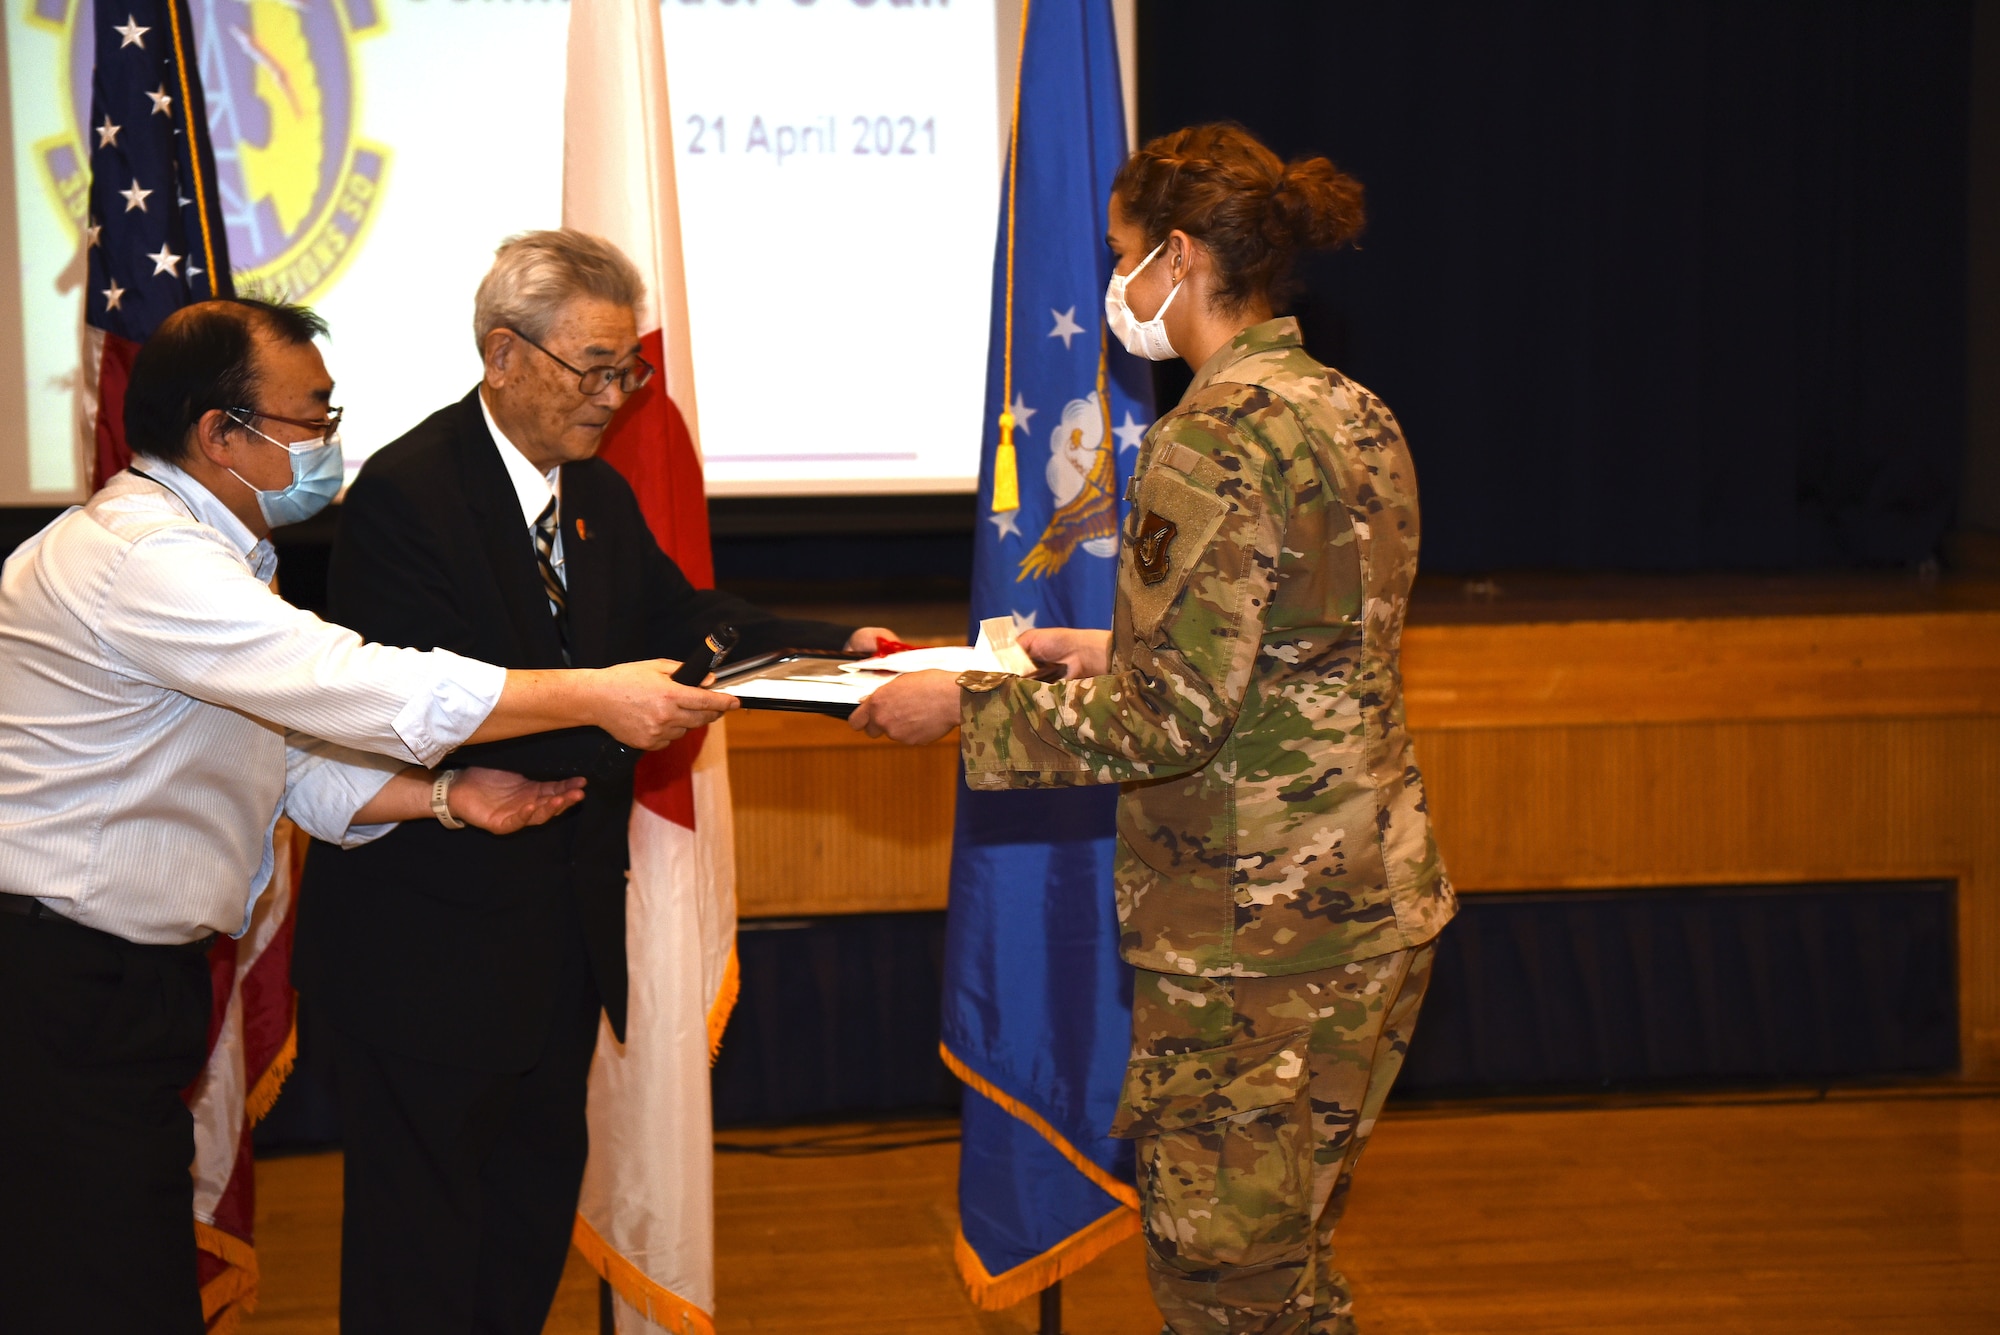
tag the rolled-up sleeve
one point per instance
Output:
(457, 695)
(326, 784)
(185, 614)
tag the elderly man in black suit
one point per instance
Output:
(459, 979)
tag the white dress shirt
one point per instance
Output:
(532, 487)
(160, 707)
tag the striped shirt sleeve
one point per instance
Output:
(183, 613)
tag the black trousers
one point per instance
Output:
(461, 1185)
(98, 1036)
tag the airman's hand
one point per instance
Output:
(917, 708)
(1085, 653)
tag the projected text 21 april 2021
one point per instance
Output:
(818, 136)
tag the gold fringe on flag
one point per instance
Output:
(659, 1304)
(272, 1083)
(1122, 1192)
(231, 1295)
(725, 1003)
(993, 1293)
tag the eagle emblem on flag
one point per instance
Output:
(1082, 478)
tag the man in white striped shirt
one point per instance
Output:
(160, 707)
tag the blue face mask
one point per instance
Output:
(317, 471)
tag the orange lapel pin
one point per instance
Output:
(582, 533)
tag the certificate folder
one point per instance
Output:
(815, 681)
(807, 681)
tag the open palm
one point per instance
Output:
(501, 803)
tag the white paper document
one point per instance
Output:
(823, 681)
(813, 680)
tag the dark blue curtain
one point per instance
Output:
(1666, 286)
(1675, 988)
(1639, 989)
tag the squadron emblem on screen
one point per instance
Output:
(299, 188)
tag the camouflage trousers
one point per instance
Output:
(1251, 1100)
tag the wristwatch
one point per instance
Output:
(440, 790)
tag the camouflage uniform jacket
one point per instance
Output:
(1273, 818)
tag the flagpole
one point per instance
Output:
(1052, 1309)
(1006, 477)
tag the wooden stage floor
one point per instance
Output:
(1874, 1212)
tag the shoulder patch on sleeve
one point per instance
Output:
(1177, 519)
(1152, 548)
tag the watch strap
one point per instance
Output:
(440, 790)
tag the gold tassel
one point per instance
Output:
(1006, 481)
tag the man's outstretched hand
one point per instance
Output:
(917, 707)
(491, 799)
(870, 639)
(644, 707)
(501, 803)
(638, 703)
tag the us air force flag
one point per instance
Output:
(1037, 1004)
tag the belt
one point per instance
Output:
(27, 906)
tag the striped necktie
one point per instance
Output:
(552, 585)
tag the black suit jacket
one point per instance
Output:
(446, 944)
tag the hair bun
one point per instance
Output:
(1235, 196)
(1316, 206)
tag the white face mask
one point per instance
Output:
(1142, 338)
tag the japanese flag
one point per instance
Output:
(646, 1218)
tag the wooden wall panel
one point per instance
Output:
(1733, 804)
(1582, 755)
(831, 821)
(1511, 674)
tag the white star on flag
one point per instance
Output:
(1024, 621)
(165, 262)
(90, 234)
(1004, 524)
(161, 102)
(1066, 326)
(135, 198)
(113, 295)
(185, 201)
(107, 133)
(1130, 434)
(1022, 412)
(133, 34)
(193, 272)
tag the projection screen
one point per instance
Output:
(839, 168)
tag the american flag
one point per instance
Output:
(154, 233)
(156, 243)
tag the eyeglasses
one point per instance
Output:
(631, 379)
(328, 427)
